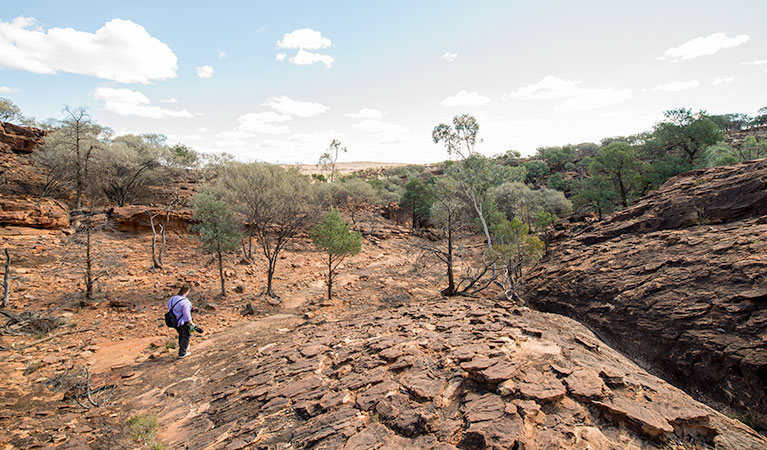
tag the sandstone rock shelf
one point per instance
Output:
(440, 374)
(677, 281)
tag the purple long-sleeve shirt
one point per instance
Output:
(182, 309)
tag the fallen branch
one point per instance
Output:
(89, 393)
(63, 333)
(10, 315)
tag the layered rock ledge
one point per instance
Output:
(677, 281)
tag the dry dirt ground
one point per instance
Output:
(124, 327)
(344, 168)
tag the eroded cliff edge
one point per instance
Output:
(677, 281)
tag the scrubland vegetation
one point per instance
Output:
(509, 201)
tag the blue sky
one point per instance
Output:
(381, 75)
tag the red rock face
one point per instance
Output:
(678, 281)
(33, 212)
(19, 139)
(135, 218)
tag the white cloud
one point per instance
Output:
(573, 96)
(372, 126)
(285, 105)
(179, 138)
(222, 54)
(7, 90)
(549, 88)
(464, 98)
(720, 80)
(304, 38)
(236, 134)
(365, 113)
(204, 71)
(759, 62)
(263, 123)
(704, 46)
(169, 100)
(449, 57)
(676, 86)
(127, 102)
(120, 50)
(304, 58)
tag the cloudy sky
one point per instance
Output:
(276, 81)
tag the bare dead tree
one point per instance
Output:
(155, 263)
(82, 136)
(174, 199)
(6, 279)
(96, 265)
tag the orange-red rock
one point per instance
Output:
(33, 212)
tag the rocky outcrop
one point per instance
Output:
(444, 374)
(134, 218)
(736, 138)
(705, 196)
(679, 282)
(19, 139)
(33, 212)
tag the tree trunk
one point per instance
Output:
(78, 168)
(162, 246)
(221, 273)
(88, 261)
(250, 242)
(450, 291)
(6, 279)
(622, 189)
(330, 277)
(269, 276)
(155, 263)
(162, 231)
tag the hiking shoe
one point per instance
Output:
(184, 355)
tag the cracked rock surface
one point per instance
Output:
(440, 374)
(678, 281)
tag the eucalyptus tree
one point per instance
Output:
(276, 204)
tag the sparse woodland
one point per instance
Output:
(510, 201)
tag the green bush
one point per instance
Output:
(144, 427)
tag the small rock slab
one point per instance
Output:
(648, 420)
(500, 371)
(535, 385)
(422, 386)
(586, 384)
(485, 407)
(497, 434)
